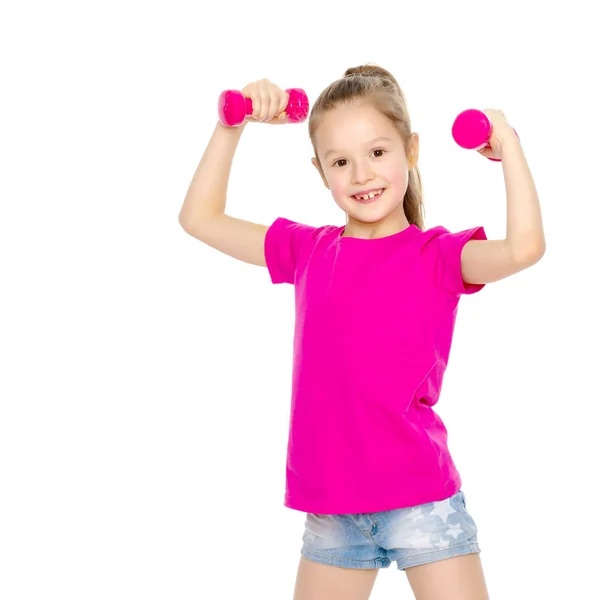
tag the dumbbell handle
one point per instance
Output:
(472, 130)
(233, 107)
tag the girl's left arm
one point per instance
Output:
(484, 261)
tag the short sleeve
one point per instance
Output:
(283, 241)
(442, 255)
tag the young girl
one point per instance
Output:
(376, 302)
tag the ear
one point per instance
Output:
(413, 151)
(314, 162)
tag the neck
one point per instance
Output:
(389, 225)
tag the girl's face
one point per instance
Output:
(353, 160)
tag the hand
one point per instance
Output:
(501, 132)
(268, 102)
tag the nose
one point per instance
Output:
(362, 173)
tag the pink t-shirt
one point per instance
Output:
(373, 330)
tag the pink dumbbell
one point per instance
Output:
(472, 130)
(233, 107)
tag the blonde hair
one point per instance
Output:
(378, 87)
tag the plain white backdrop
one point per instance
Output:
(145, 377)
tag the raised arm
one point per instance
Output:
(203, 212)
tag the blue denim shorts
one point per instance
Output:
(411, 536)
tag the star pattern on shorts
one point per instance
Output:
(420, 534)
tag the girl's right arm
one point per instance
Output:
(203, 212)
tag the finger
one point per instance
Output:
(278, 120)
(265, 100)
(275, 109)
(277, 117)
(248, 92)
(255, 95)
(277, 100)
(284, 98)
(273, 102)
(280, 102)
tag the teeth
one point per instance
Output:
(369, 196)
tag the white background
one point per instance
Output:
(145, 377)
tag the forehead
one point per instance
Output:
(350, 127)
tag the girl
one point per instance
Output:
(376, 302)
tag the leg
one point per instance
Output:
(456, 578)
(316, 581)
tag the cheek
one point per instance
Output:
(339, 191)
(338, 187)
(398, 178)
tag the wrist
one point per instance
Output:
(508, 138)
(237, 130)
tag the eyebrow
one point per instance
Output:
(381, 137)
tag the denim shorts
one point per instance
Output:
(412, 536)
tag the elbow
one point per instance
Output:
(531, 255)
(538, 250)
(182, 223)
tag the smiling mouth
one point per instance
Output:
(368, 200)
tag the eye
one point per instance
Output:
(376, 150)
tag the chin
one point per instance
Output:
(370, 213)
(367, 218)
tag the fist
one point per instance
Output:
(501, 131)
(269, 102)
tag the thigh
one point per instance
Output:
(316, 581)
(456, 578)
